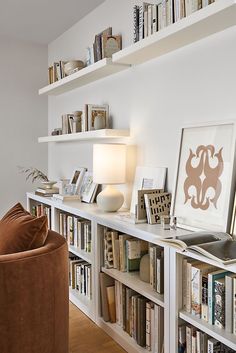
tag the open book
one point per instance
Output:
(217, 246)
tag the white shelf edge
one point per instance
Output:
(121, 337)
(87, 135)
(82, 302)
(92, 73)
(80, 253)
(212, 19)
(229, 339)
(132, 280)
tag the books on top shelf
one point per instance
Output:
(105, 45)
(217, 246)
(192, 340)
(80, 276)
(136, 315)
(150, 18)
(76, 230)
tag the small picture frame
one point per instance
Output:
(102, 111)
(88, 188)
(77, 178)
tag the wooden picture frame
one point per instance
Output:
(204, 178)
(93, 111)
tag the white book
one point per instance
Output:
(150, 30)
(153, 328)
(75, 232)
(184, 283)
(145, 16)
(154, 18)
(188, 7)
(198, 342)
(160, 21)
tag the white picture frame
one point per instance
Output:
(204, 178)
(77, 178)
(88, 188)
(147, 178)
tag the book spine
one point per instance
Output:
(148, 326)
(184, 283)
(136, 23)
(149, 20)
(154, 18)
(141, 23)
(188, 339)
(189, 288)
(234, 306)
(210, 299)
(204, 311)
(229, 307)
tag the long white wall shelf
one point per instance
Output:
(100, 69)
(210, 20)
(87, 135)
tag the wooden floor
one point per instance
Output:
(86, 337)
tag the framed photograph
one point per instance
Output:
(146, 178)
(77, 178)
(88, 188)
(101, 111)
(203, 190)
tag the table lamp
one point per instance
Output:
(109, 168)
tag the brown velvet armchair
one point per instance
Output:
(34, 300)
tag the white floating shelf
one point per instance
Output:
(88, 135)
(229, 339)
(100, 69)
(132, 280)
(211, 19)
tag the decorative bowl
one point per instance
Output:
(48, 184)
(72, 66)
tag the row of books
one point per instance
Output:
(140, 318)
(150, 18)
(206, 290)
(41, 210)
(192, 340)
(77, 231)
(124, 253)
(56, 72)
(80, 277)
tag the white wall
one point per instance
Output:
(23, 116)
(191, 85)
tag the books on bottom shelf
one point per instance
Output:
(140, 318)
(80, 277)
(76, 230)
(193, 340)
(208, 293)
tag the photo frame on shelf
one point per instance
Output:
(204, 178)
(97, 116)
(77, 178)
(147, 178)
(88, 188)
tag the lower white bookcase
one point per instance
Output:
(169, 302)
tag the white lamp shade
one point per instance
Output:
(109, 163)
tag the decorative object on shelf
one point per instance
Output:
(147, 178)
(98, 112)
(141, 213)
(76, 180)
(97, 46)
(72, 66)
(62, 183)
(72, 123)
(157, 205)
(56, 132)
(205, 176)
(173, 222)
(144, 270)
(88, 188)
(109, 168)
(165, 222)
(56, 72)
(111, 45)
(89, 56)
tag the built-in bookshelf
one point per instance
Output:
(171, 300)
(95, 135)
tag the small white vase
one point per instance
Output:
(110, 199)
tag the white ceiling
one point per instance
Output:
(41, 21)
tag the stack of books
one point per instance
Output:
(46, 192)
(80, 277)
(139, 318)
(41, 210)
(150, 18)
(193, 340)
(76, 230)
(56, 72)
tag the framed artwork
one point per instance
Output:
(77, 178)
(88, 188)
(147, 178)
(203, 190)
(101, 111)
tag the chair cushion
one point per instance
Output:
(20, 231)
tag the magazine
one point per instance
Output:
(215, 245)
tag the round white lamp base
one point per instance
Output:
(110, 199)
